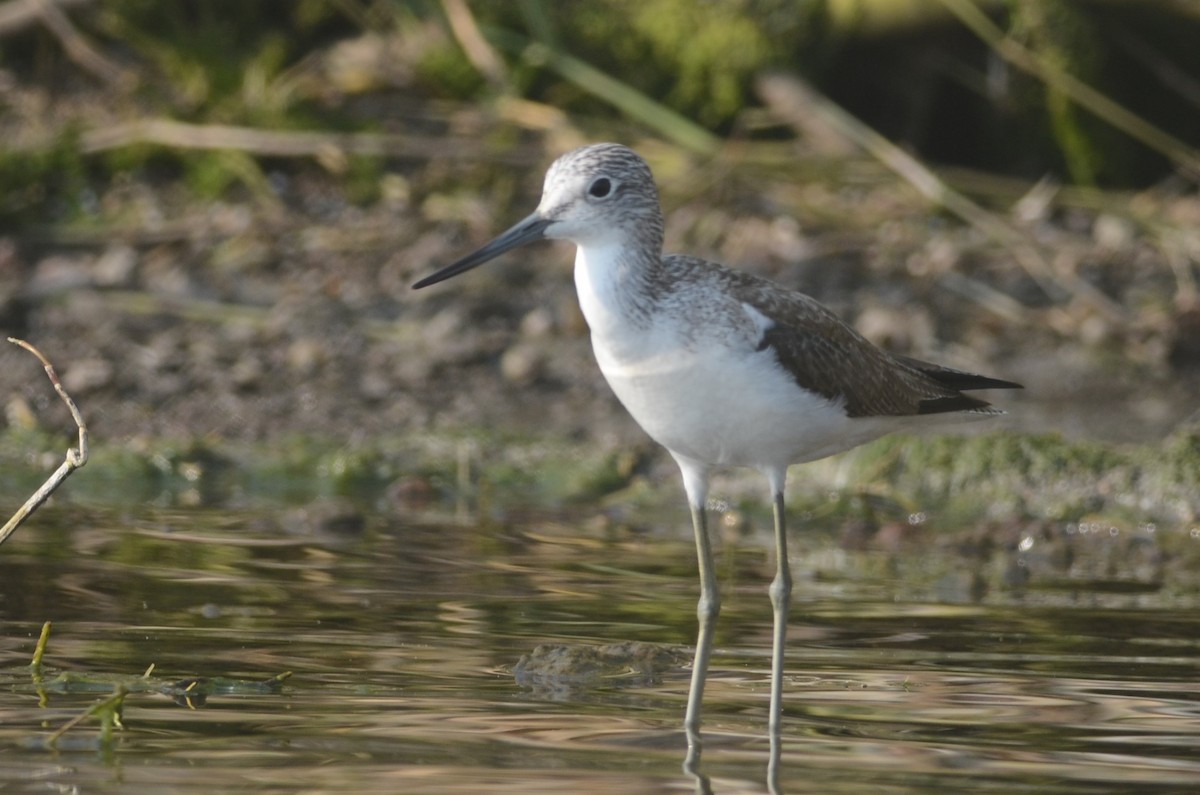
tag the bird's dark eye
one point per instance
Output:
(600, 187)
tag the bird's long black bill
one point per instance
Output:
(527, 231)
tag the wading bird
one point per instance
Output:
(721, 367)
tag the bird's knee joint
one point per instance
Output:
(708, 608)
(781, 589)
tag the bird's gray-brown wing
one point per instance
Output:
(826, 356)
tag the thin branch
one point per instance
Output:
(75, 457)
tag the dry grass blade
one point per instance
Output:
(17, 15)
(79, 49)
(791, 98)
(478, 51)
(626, 98)
(1184, 156)
(290, 143)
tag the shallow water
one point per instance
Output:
(918, 668)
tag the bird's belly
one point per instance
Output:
(735, 408)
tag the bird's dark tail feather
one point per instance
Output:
(957, 380)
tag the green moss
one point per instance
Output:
(445, 71)
(1039, 475)
(211, 53)
(698, 59)
(949, 479)
(362, 178)
(31, 179)
(223, 62)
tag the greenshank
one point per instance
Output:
(721, 367)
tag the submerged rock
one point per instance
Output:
(574, 666)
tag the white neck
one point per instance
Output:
(606, 281)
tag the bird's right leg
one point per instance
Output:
(708, 607)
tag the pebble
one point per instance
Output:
(59, 273)
(305, 356)
(895, 328)
(115, 266)
(19, 414)
(1113, 232)
(246, 372)
(87, 375)
(374, 385)
(522, 363)
(537, 323)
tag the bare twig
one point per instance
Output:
(75, 457)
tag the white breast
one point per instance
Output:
(696, 384)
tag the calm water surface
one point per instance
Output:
(920, 669)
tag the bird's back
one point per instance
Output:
(825, 355)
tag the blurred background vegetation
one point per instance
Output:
(211, 213)
(918, 71)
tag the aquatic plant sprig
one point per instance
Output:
(192, 692)
(109, 711)
(39, 651)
